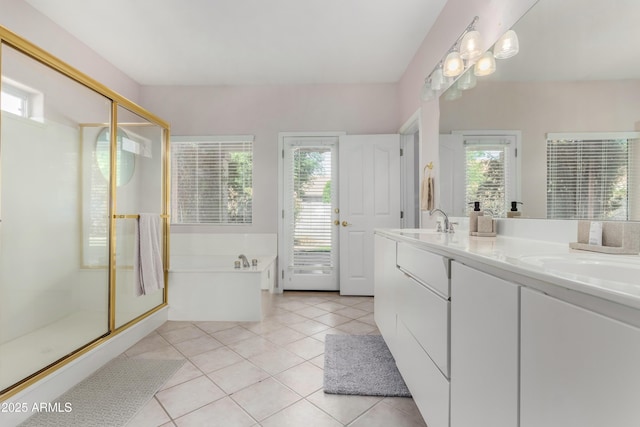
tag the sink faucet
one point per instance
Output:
(245, 261)
(446, 218)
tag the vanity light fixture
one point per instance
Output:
(486, 65)
(437, 79)
(453, 65)
(471, 45)
(506, 46)
(467, 81)
(427, 93)
(453, 93)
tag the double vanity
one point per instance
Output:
(510, 331)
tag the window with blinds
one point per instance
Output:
(489, 168)
(588, 175)
(212, 180)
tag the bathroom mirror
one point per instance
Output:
(125, 160)
(577, 71)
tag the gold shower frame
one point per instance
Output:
(8, 38)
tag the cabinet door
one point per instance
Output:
(386, 276)
(484, 349)
(578, 368)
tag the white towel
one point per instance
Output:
(147, 267)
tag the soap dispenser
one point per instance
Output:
(514, 213)
(473, 218)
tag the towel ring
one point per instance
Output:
(428, 166)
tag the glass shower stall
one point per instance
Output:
(78, 164)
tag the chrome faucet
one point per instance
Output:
(245, 261)
(446, 219)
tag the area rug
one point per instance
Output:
(362, 365)
(111, 396)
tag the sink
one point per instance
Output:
(582, 266)
(417, 230)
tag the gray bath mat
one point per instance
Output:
(362, 365)
(110, 397)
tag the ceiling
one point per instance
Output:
(250, 42)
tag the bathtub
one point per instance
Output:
(209, 287)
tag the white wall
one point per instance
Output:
(264, 111)
(19, 17)
(536, 108)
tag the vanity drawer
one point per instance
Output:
(429, 388)
(426, 315)
(431, 269)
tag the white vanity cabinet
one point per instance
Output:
(578, 368)
(386, 280)
(484, 349)
(422, 339)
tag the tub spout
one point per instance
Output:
(245, 261)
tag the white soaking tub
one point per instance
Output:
(209, 287)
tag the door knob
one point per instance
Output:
(336, 222)
(345, 223)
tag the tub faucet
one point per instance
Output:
(245, 261)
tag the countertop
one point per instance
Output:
(525, 257)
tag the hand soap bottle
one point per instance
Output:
(473, 218)
(514, 213)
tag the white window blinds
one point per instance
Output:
(588, 175)
(212, 180)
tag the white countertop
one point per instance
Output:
(510, 253)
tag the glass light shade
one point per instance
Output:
(437, 79)
(467, 81)
(453, 65)
(470, 46)
(507, 45)
(486, 65)
(452, 93)
(427, 94)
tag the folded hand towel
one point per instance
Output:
(427, 194)
(147, 266)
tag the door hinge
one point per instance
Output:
(401, 152)
(401, 214)
(516, 151)
(282, 274)
(283, 153)
(282, 213)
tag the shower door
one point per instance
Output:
(310, 213)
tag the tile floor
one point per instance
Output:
(266, 373)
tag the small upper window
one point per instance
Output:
(17, 99)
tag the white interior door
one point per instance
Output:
(369, 194)
(310, 257)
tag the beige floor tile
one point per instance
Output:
(405, 404)
(238, 376)
(165, 353)
(330, 306)
(309, 327)
(221, 413)
(355, 327)
(284, 336)
(197, 345)
(215, 359)
(211, 327)
(151, 415)
(187, 372)
(318, 361)
(299, 414)
(261, 328)
(265, 398)
(344, 408)
(383, 415)
(276, 361)
(171, 325)
(151, 342)
(186, 397)
(289, 318)
(169, 424)
(369, 318)
(292, 305)
(307, 348)
(311, 312)
(252, 346)
(332, 331)
(235, 334)
(176, 336)
(304, 379)
(332, 319)
(366, 306)
(351, 312)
